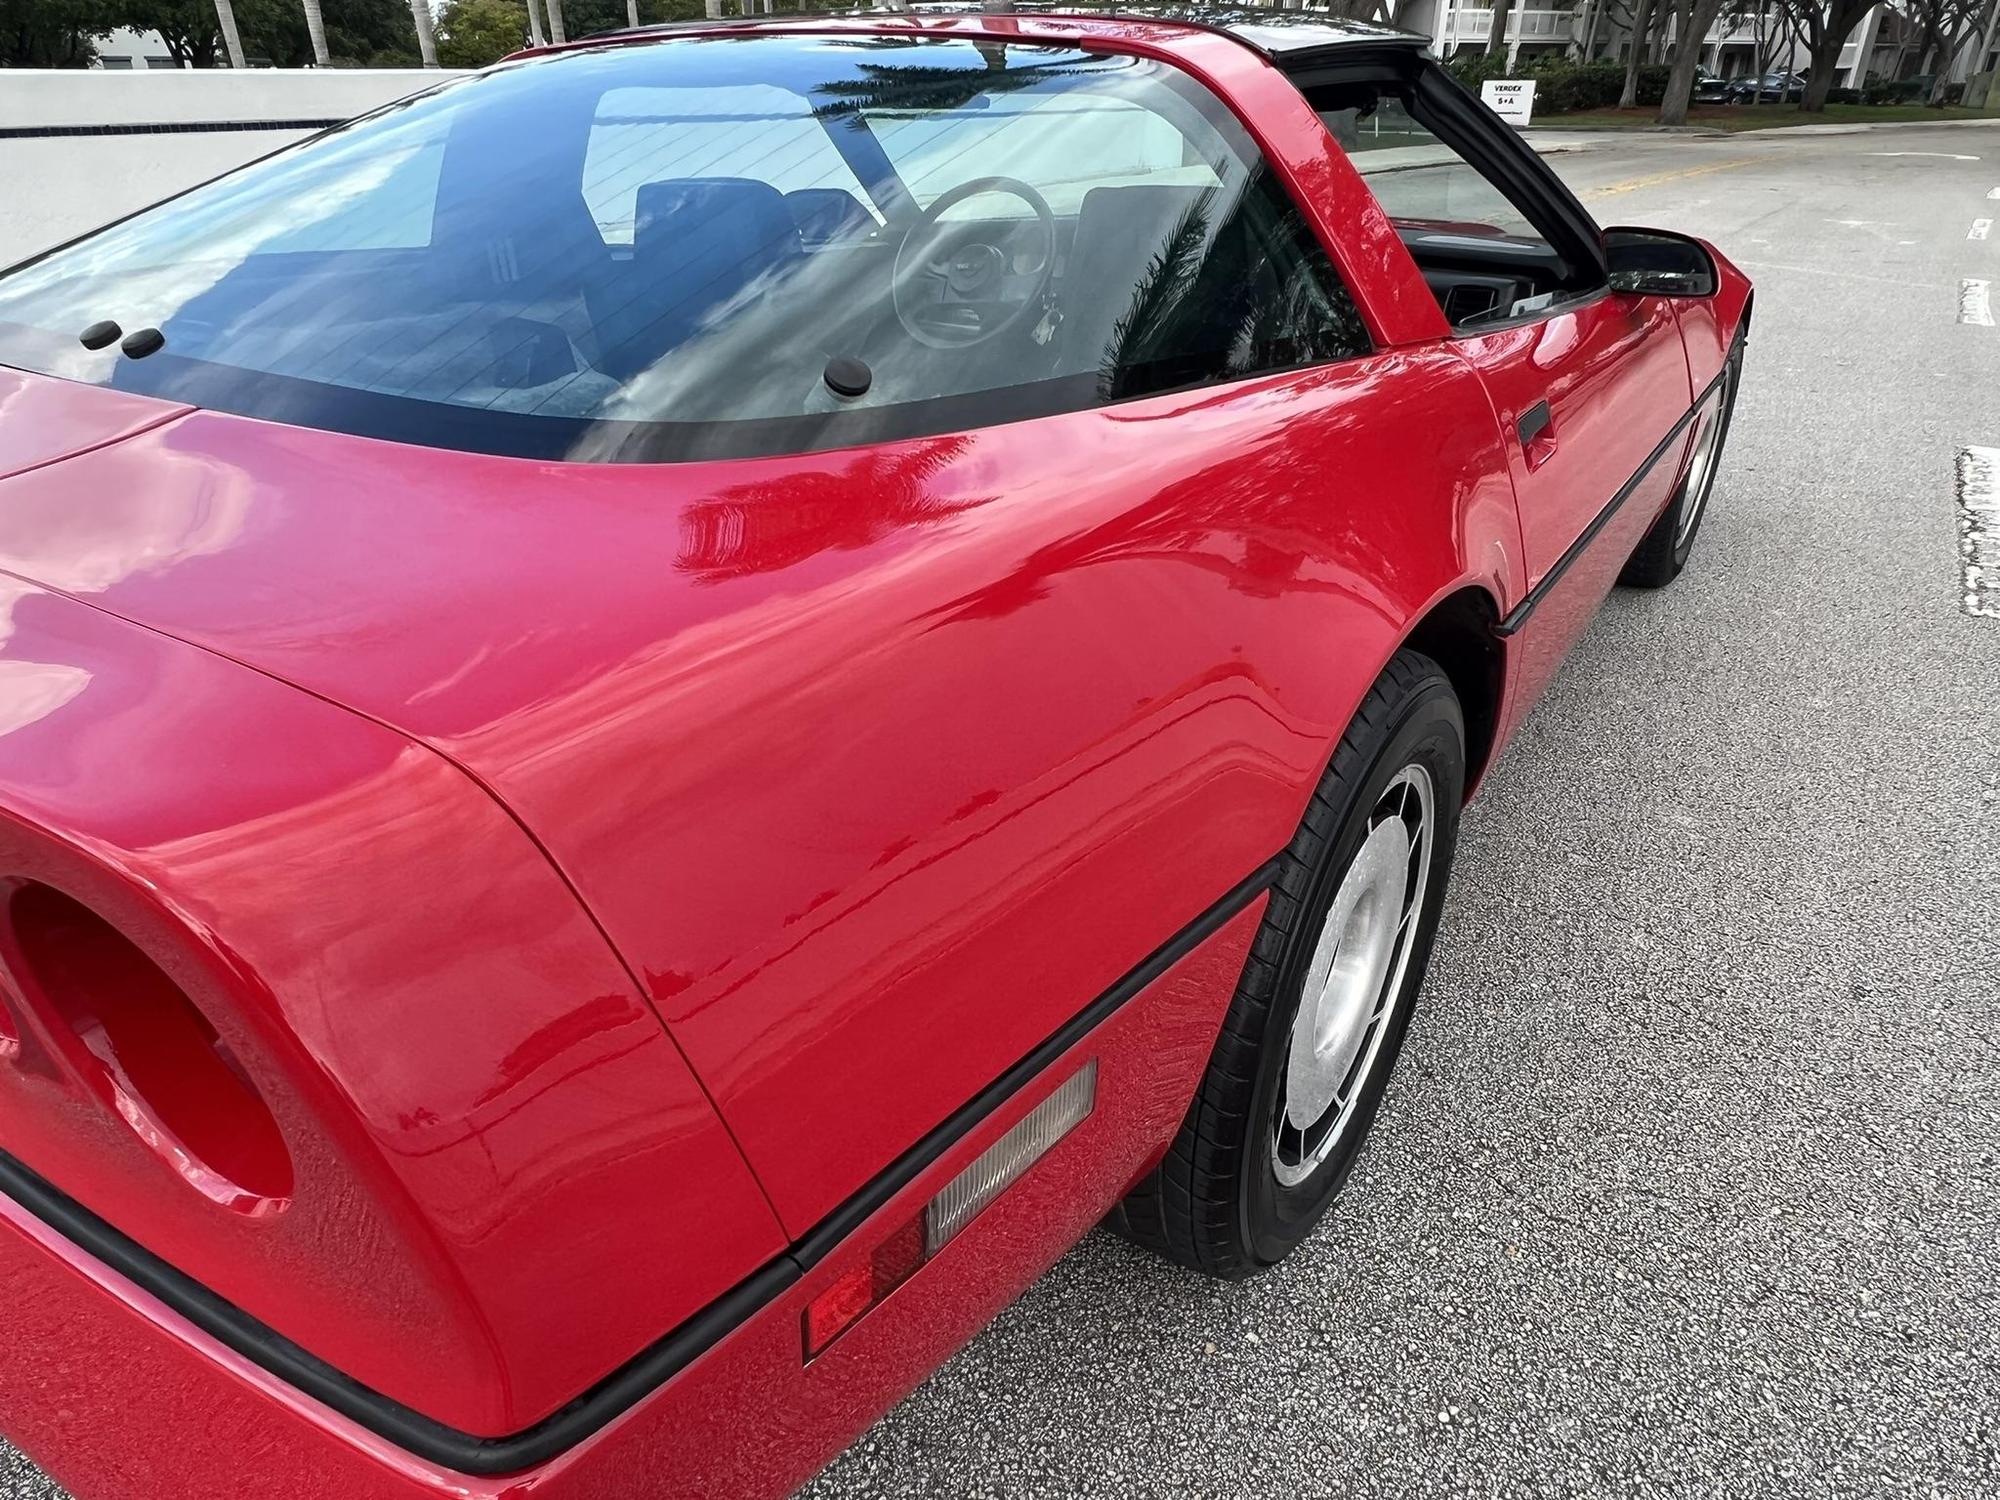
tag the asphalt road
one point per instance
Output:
(1687, 1182)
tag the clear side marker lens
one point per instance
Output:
(1003, 1163)
(868, 1280)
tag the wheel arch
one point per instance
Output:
(1457, 632)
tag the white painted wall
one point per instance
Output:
(91, 96)
(53, 188)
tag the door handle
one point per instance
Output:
(1537, 430)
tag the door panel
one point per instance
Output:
(1613, 379)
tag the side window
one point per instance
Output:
(1480, 251)
(1226, 288)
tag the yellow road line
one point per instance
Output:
(1660, 177)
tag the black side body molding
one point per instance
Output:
(653, 1366)
(1521, 612)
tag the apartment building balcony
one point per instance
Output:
(1527, 27)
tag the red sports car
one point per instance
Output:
(667, 713)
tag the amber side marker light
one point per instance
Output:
(870, 1280)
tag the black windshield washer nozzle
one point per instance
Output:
(847, 377)
(143, 341)
(97, 335)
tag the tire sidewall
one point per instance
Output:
(1428, 730)
(1733, 367)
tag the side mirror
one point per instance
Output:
(1656, 263)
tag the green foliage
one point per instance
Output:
(1897, 91)
(51, 33)
(192, 33)
(1472, 67)
(583, 18)
(378, 33)
(478, 33)
(359, 33)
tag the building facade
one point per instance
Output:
(1886, 46)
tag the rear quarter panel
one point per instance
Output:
(497, 1153)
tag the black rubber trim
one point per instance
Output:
(826, 1235)
(633, 1381)
(1521, 612)
(164, 127)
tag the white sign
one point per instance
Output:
(1513, 100)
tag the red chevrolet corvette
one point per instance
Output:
(667, 713)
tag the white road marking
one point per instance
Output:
(1980, 229)
(1994, 194)
(1947, 155)
(1979, 529)
(1975, 303)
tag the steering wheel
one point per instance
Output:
(952, 287)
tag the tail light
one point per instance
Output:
(144, 1050)
(869, 1281)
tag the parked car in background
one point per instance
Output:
(1769, 88)
(669, 712)
(1710, 88)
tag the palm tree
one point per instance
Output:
(226, 14)
(427, 48)
(535, 37)
(316, 29)
(556, 33)
(632, 14)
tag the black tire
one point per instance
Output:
(1662, 553)
(1216, 1203)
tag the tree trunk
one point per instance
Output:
(632, 14)
(1496, 39)
(226, 14)
(1825, 58)
(316, 29)
(1641, 19)
(1693, 22)
(556, 32)
(536, 37)
(427, 49)
(1837, 25)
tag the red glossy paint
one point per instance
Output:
(1615, 379)
(750, 1419)
(601, 872)
(455, 1059)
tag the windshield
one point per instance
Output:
(713, 246)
